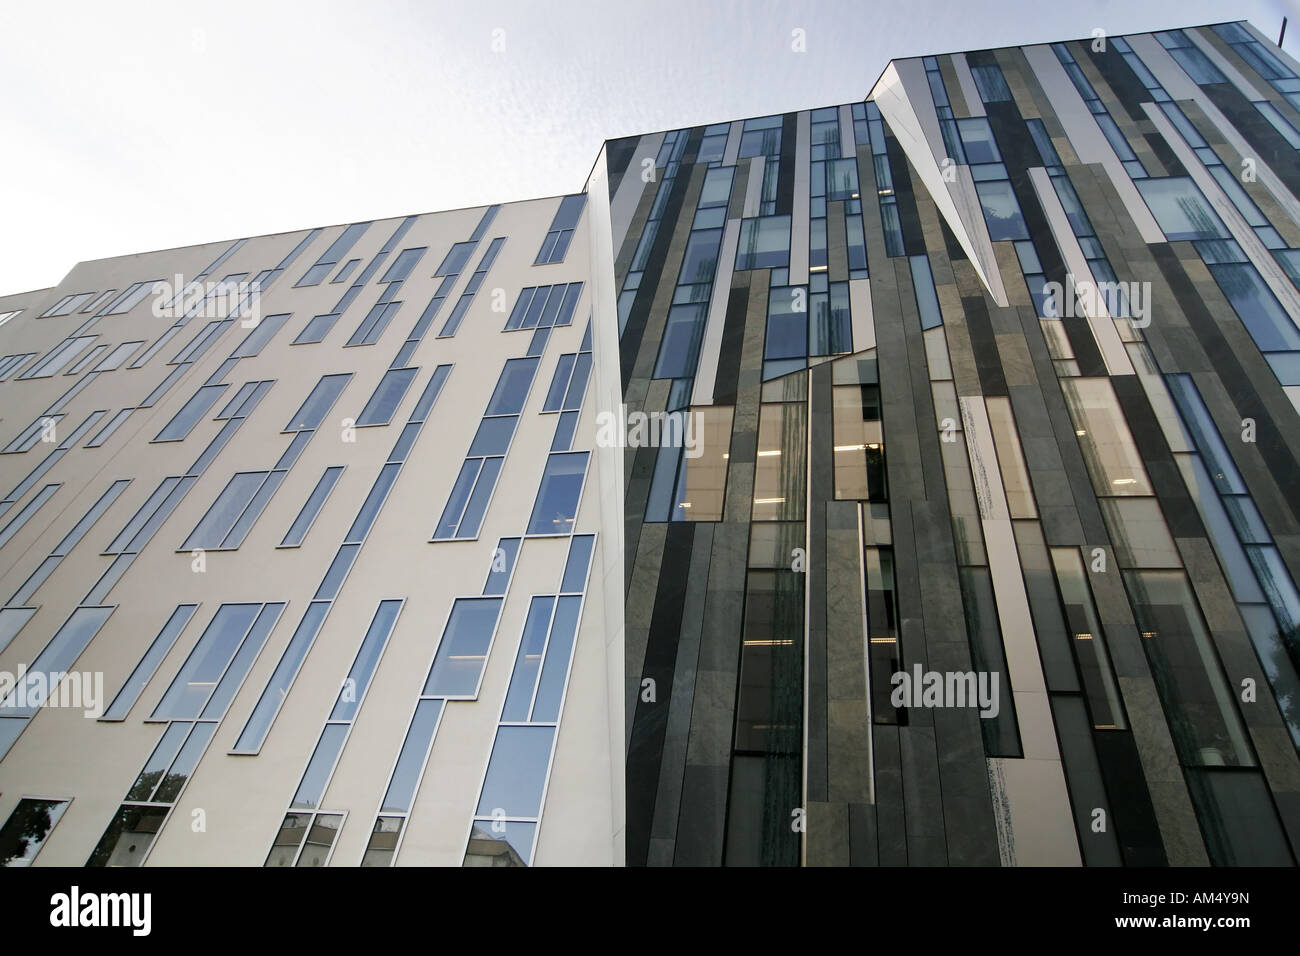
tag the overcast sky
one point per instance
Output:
(128, 126)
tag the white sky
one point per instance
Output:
(129, 126)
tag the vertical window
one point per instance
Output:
(512, 387)
(556, 243)
(387, 396)
(764, 243)
(191, 412)
(27, 829)
(557, 499)
(780, 472)
(202, 678)
(1203, 717)
(331, 256)
(311, 508)
(1108, 447)
(135, 683)
(317, 405)
(463, 649)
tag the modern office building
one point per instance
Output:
(904, 482)
(336, 552)
(968, 568)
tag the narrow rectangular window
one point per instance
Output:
(410, 761)
(261, 334)
(197, 678)
(387, 396)
(317, 405)
(512, 387)
(212, 529)
(114, 359)
(463, 648)
(764, 243)
(135, 683)
(57, 657)
(19, 520)
(131, 297)
(339, 248)
(556, 242)
(311, 508)
(456, 258)
(559, 382)
(516, 773)
(557, 497)
(374, 324)
(259, 722)
(191, 412)
(27, 829)
(503, 562)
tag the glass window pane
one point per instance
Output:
(1088, 640)
(764, 243)
(787, 323)
(367, 659)
(190, 414)
(338, 570)
(679, 348)
(242, 662)
(927, 300)
(528, 660)
(383, 841)
(311, 508)
(312, 787)
(503, 562)
(268, 705)
(462, 651)
(456, 257)
(388, 395)
(1011, 463)
(319, 402)
(512, 387)
(769, 706)
(178, 774)
(129, 836)
(320, 839)
(780, 473)
(27, 829)
(500, 843)
(704, 464)
(1265, 319)
(1180, 209)
(369, 510)
(557, 498)
(158, 649)
(1140, 534)
(410, 761)
(977, 138)
(575, 568)
(559, 651)
(1001, 211)
(493, 436)
(1001, 731)
(717, 187)
(477, 505)
(197, 678)
(517, 772)
(1108, 447)
(1198, 700)
(456, 501)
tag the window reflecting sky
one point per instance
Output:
(128, 127)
